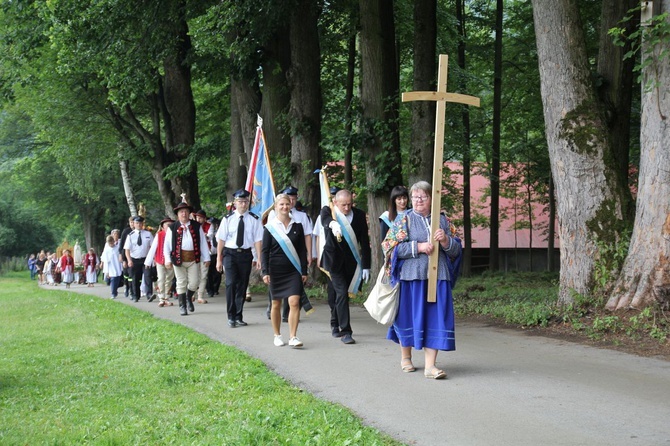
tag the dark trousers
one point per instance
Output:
(114, 283)
(238, 269)
(339, 311)
(213, 278)
(331, 303)
(139, 273)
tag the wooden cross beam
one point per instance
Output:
(441, 97)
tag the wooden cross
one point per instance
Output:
(441, 97)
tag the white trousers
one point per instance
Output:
(165, 276)
(188, 276)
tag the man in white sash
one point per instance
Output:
(346, 257)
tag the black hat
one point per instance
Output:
(241, 193)
(201, 213)
(138, 218)
(183, 205)
(166, 220)
(334, 190)
(290, 191)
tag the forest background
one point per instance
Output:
(107, 105)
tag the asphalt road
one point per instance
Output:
(504, 387)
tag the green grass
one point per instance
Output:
(77, 369)
(523, 299)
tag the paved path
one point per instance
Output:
(504, 387)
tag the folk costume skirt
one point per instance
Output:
(420, 323)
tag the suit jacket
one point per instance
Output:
(337, 255)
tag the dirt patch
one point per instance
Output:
(639, 343)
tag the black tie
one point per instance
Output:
(139, 238)
(240, 232)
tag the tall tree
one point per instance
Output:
(645, 276)
(149, 84)
(379, 100)
(494, 175)
(615, 80)
(589, 198)
(305, 105)
(423, 112)
(465, 117)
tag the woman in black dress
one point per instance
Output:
(284, 268)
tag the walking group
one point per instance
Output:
(187, 258)
(64, 267)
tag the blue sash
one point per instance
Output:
(285, 244)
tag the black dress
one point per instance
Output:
(285, 280)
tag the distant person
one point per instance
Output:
(136, 247)
(32, 259)
(156, 258)
(91, 262)
(39, 264)
(213, 276)
(284, 268)
(201, 218)
(421, 324)
(127, 271)
(66, 266)
(110, 262)
(397, 206)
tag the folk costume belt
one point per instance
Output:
(187, 256)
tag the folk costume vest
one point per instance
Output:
(194, 229)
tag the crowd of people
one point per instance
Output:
(186, 259)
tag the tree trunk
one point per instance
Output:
(551, 231)
(589, 202)
(305, 109)
(127, 187)
(248, 105)
(645, 276)
(465, 117)
(423, 112)
(379, 100)
(93, 219)
(494, 225)
(276, 96)
(348, 98)
(180, 106)
(615, 82)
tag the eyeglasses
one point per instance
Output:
(424, 198)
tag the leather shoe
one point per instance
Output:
(232, 324)
(337, 333)
(241, 323)
(152, 297)
(347, 339)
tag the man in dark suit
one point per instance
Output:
(346, 257)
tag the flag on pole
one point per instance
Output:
(259, 181)
(323, 186)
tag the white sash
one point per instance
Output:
(352, 241)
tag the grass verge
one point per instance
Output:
(76, 369)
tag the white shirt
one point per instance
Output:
(111, 265)
(138, 251)
(186, 243)
(299, 216)
(227, 233)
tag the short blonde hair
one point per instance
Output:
(282, 197)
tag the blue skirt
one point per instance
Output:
(420, 323)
